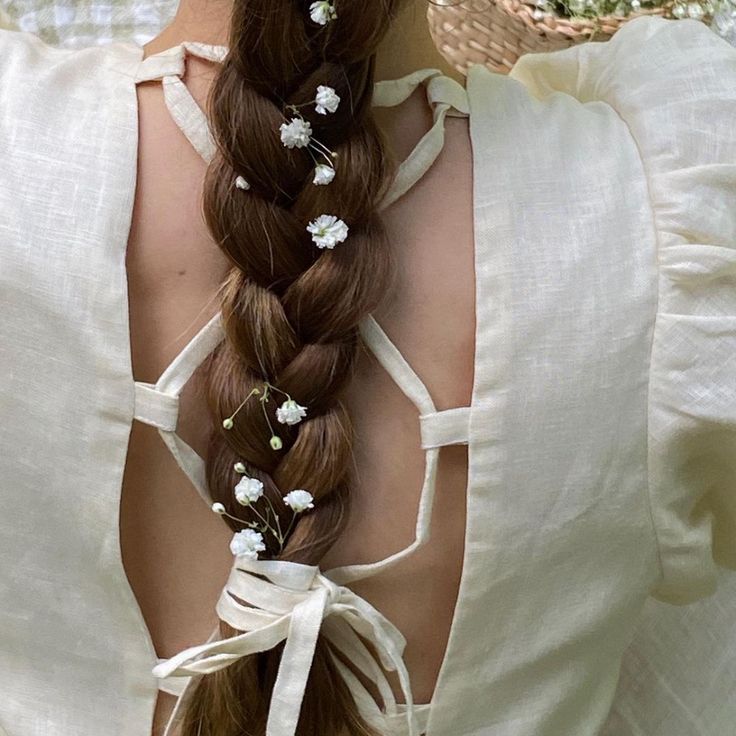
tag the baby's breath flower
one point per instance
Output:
(327, 231)
(299, 500)
(322, 12)
(241, 183)
(275, 442)
(227, 423)
(296, 133)
(218, 508)
(248, 490)
(327, 99)
(290, 412)
(239, 468)
(247, 543)
(323, 174)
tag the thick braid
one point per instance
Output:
(291, 310)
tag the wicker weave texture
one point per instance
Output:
(497, 32)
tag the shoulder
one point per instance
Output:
(654, 73)
(650, 111)
(60, 110)
(50, 87)
(650, 62)
(25, 58)
(645, 51)
(15, 43)
(671, 85)
(28, 64)
(662, 90)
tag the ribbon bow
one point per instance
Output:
(293, 603)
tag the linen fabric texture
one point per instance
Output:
(601, 433)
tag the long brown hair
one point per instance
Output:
(290, 310)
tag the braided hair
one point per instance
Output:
(291, 309)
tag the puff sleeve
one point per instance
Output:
(673, 82)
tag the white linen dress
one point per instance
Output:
(601, 433)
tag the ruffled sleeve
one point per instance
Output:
(674, 85)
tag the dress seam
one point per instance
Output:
(650, 202)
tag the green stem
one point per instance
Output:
(283, 393)
(288, 529)
(256, 512)
(321, 153)
(323, 147)
(276, 517)
(253, 392)
(265, 414)
(235, 518)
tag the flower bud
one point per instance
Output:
(275, 442)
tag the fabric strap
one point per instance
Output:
(276, 600)
(158, 404)
(169, 66)
(443, 94)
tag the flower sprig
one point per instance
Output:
(249, 541)
(297, 133)
(326, 230)
(290, 412)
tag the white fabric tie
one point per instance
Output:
(291, 604)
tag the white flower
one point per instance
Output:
(241, 183)
(327, 100)
(327, 231)
(296, 133)
(290, 412)
(218, 508)
(323, 174)
(299, 500)
(239, 468)
(322, 12)
(227, 423)
(248, 490)
(247, 543)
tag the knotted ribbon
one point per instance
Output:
(292, 604)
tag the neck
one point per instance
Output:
(206, 21)
(408, 45)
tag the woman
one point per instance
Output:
(545, 282)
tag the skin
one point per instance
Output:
(174, 271)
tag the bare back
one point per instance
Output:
(175, 550)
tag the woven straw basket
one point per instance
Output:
(497, 32)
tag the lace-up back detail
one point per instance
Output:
(157, 404)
